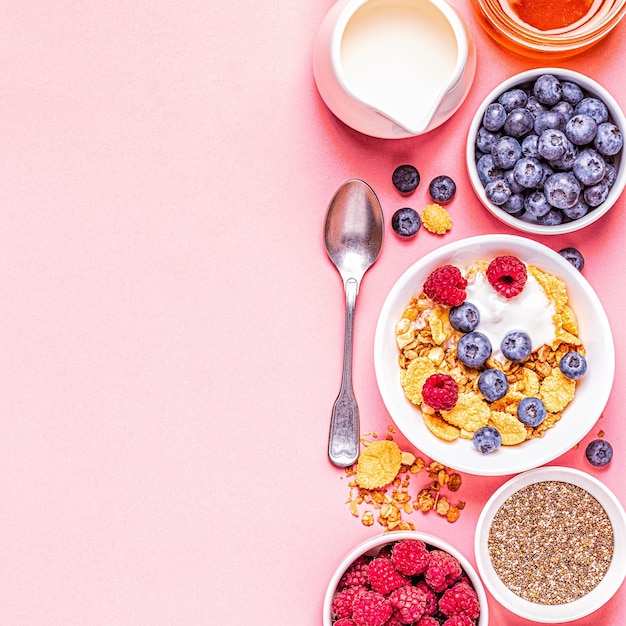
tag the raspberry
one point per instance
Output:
(446, 285)
(394, 620)
(440, 392)
(431, 597)
(443, 570)
(356, 574)
(371, 609)
(410, 556)
(345, 621)
(507, 275)
(383, 576)
(458, 620)
(342, 603)
(409, 603)
(461, 599)
(428, 620)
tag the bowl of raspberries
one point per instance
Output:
(494, 355)
(544, 151)
(405, 577)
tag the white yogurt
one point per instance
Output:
(531, 311)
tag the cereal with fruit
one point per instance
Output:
(490, 352)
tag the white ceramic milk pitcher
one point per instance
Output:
(393, 68)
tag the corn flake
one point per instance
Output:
(509, 427)
(413, 378)
(378, 464)
(557, 391)
(440, 428)
(436, 219)
(554, 287)
(470, 413)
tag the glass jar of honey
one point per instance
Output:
(553, 29)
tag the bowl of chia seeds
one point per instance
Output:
(544, 151)
(549, 545)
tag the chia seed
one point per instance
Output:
(551, 542)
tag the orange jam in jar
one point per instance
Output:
(550, 14)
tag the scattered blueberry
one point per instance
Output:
(487, 439)
(516, 345)
(474, 349)
(599, 452)
(573, 365)
(494, 116)
(442, 189)
(405, 178)
(574, 256)
(548, 89)
(406, 222)
(531, 412)
(464, 317)
(609, 139)
(493, 384)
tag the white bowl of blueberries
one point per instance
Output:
(544, 151)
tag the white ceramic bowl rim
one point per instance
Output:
(615, 113)
(592, 391)
(373, 545)
(552, 614)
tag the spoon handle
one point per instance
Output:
(343, 444)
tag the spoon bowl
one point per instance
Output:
(353, 235)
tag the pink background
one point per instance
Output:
(171, 329)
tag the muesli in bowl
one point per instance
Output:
(485, 346)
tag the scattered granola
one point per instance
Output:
(388, 503)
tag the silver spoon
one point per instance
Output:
(353, 234)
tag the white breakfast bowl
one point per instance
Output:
(590, 87)
(592, 390)
(557, 613)
(372, 546)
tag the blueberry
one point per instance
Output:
(405, 178)
(548, 89)
(599, 452)
(474, 349)
(534, 106)
(529, 146)
(498, 191)
(509, 177)
(589, 167)
(574, 256)
(577, 211)
(611, 175)
(609, 139)
(493, 384)
(594, 107)
(442, 189)
(536, 204)
(595, 195)
(487, 170)
(485, 139)
(562, 190)
(487, 439)
(494, 116)
(514, 204)
(406, 222)
(531, 412)
(553, 217)
(549, 119)
(464, 317)
(571, 92)
(564, 108)
(519, 122)
(513, 99)
(552, 144)
(565, 162)
(505, 152)
(573, 365)
(516, 345)
(528, 172)
(581, 129)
